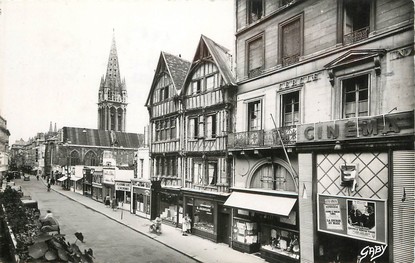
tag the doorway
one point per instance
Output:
(223, 226)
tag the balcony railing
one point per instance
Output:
(261, 138)
(356, 36)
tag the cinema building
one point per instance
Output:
(323, 135)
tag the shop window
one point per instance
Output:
(168, 208)
(203, 217)
(280, 241)
(356, 20)
(211, 126)
(254, 116)
(291, 108)
(255, 56)
(355, 96)
(245, 232)
(273, 177)
(255, 10)
(291, 40)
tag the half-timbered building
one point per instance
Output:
(208, 96)
(166, 128)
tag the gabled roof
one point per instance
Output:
(220, 55)
(104, 138)
(177, 69)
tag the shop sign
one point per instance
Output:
(108, 176)
(362, 127)
(372, 252)
(142, 184)
(206, 208)
(359, 218)
(120, 186)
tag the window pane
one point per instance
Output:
(254, 115)
(210, 82)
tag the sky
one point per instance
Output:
(53, 54)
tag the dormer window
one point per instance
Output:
(255, 10)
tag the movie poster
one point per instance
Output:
(333, 214)
(361, 221)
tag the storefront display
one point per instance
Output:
(203, 216)
(245, 235)
(278, 240)
(97, 192)
(169, 211)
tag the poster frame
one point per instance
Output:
(377, 201)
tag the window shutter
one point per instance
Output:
(255, 57)
(291, 46)
(403, 206)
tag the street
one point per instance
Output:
(110, 241)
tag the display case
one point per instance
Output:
(245, 236)
(279, 244)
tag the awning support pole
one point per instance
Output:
(283, 147)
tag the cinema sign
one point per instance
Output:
(363, 127)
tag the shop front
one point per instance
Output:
(108, 182)
(96, 191)
(123, 194)
(265, 223)
(355, 176)
(140, 204)
(209, 218)
(170, 207)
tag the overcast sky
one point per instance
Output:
(53, 54)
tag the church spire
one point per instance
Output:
(112, 77)
(112, 95)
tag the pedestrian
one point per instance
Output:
(114, 204)
(186, 226)
(107, 201)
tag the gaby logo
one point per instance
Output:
(372, 252)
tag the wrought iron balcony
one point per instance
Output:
(356, 36)
(261, 138)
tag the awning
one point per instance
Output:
(75, 178)
(269, 204)
(63, 178)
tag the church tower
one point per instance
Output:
(112, 96)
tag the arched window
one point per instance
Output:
(91, 159)
(75, 158)
(113, 116)
(273, 176)
(119, 116)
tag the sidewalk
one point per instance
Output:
(197, 248)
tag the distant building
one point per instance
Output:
(4, 146)
(112, 96)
